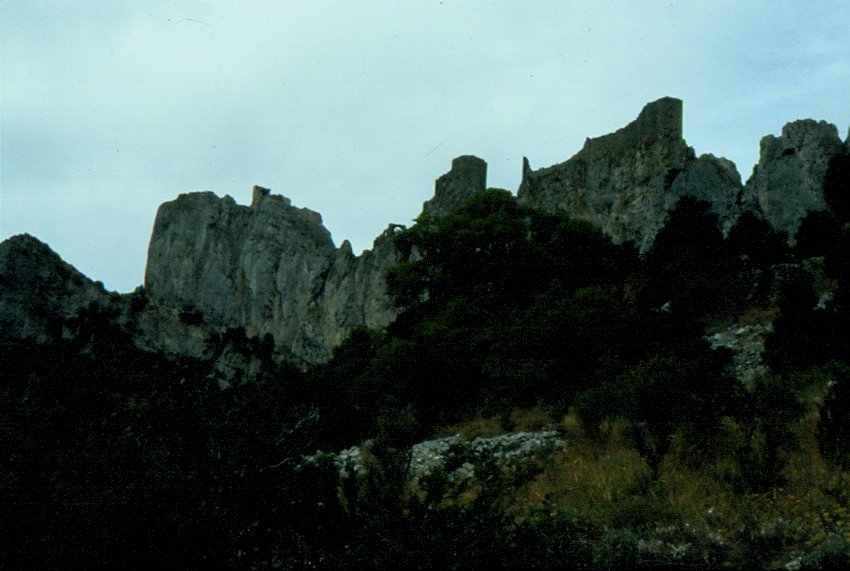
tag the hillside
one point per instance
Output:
(638, 360)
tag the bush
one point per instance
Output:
(834, 422)
(754, 239)
(817, 235)
(689, 264)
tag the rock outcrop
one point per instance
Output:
(273, 269)
(713, 180)
(505, 452)
(40, 291)
(624, 183)
(788, 181)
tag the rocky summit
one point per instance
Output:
(788, 181)
(626, 182)
(273, 269)
(468, 176)
(38, 290)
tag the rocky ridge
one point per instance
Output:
(272, 269)
(38, 291)
(625, 182)
(620, 182)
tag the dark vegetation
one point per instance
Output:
(117, 457)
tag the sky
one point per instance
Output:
(352, 109)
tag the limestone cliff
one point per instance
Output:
(38, 291)
(788, 181)
(713, 180)
(625, 182)
(273, 269)
(262, 267)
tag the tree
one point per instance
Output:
(493, 251)
(836, 187)
(803, 334)
(817, 235)
(834, 422)
(689, 265)
(773, 407)
(753, 239)
(510, 305)
(663, 394)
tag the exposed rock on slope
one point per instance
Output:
(747, 345)
(624, 182)
(507, 452)
(39, 290)
(714, 180)
(273, 269)
(788, 181)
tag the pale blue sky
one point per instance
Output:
(353, 109)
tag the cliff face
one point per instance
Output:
(624, 183)
(38, 290)
(788, 181)
(273, 269)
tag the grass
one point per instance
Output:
(696, 507)
(517, 420)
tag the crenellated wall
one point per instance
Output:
(619, 182)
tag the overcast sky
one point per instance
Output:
(108, 109)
